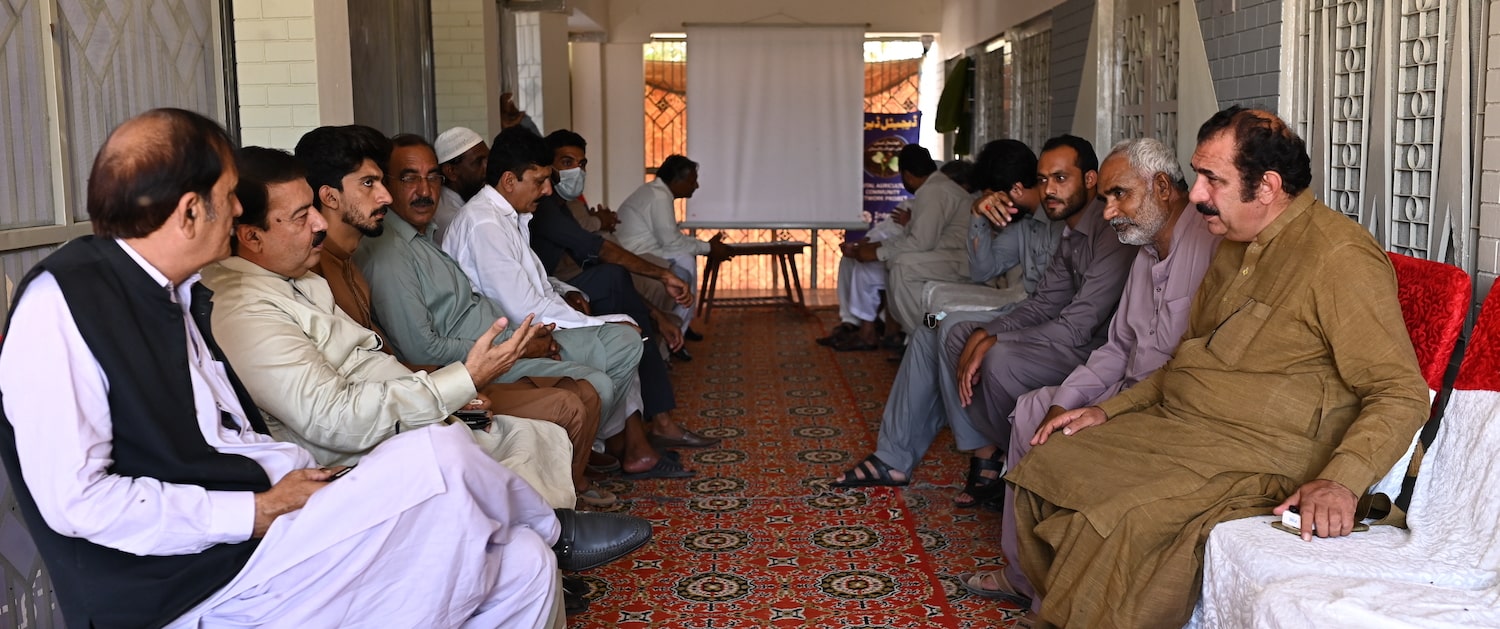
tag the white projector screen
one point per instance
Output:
(775, 118)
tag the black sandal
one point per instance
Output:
(877, 474)
(980, 488)
(839, 332)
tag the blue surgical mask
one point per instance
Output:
(570, 183)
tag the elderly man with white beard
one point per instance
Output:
(1145, 201)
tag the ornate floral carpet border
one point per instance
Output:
(757, 539)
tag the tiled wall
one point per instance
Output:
(459, 64)
(1244, 50)
(276, 61)
(1488, 263)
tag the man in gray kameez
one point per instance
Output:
(914, 412)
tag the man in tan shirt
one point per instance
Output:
(1295, 386)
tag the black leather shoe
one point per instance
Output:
(692, 335)
(590, 539)
(682, 355)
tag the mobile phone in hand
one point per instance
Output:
(477, 419)
(340, 474)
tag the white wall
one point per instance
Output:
(292, 62)
(967, 23)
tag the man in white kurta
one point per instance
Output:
(427, 514)
(648, 220)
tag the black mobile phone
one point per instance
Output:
(340, 474)
(476, 419)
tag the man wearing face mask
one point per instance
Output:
(607, 272)
(462, 155)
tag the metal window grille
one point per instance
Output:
(1382, 103)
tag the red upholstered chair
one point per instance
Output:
(1434, 302)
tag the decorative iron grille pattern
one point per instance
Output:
(122, 58)
(1134, 49)
(1418, 77)
(1148, 45)
(26, 197)
(992, 72)
(1033, 105)
(1376, 158)
(1350, 54)
(1164, 74)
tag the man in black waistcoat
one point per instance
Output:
(143, 470)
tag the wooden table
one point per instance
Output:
(784, 252)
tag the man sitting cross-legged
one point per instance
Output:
(1146, 202)
(931, 247)
(1295, 385)
(432, 313)
(1044, 337)
(143, 470)
(337, 156)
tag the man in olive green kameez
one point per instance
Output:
(1295, 385)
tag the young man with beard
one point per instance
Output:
(1145, 199)
(562, 398)
(1050, 332)
(1295, 385)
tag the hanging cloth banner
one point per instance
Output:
(885, 134)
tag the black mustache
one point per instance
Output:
(1206, 210)
(423, 202)
(318, 237)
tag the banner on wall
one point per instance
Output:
(885, 134)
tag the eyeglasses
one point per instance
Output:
(412, 178)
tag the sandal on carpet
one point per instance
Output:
(876, 474)
(598, 498)
(979, 488)
(607, 464)
(839, 332)
(894, 341)
(666, 467)
(1001, 589)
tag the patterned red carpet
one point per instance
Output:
(756, 539)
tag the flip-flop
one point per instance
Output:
(666, 467)
(598, 498)
(972, 581)
(877, 474)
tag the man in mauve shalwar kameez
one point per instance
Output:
(1295, 386)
